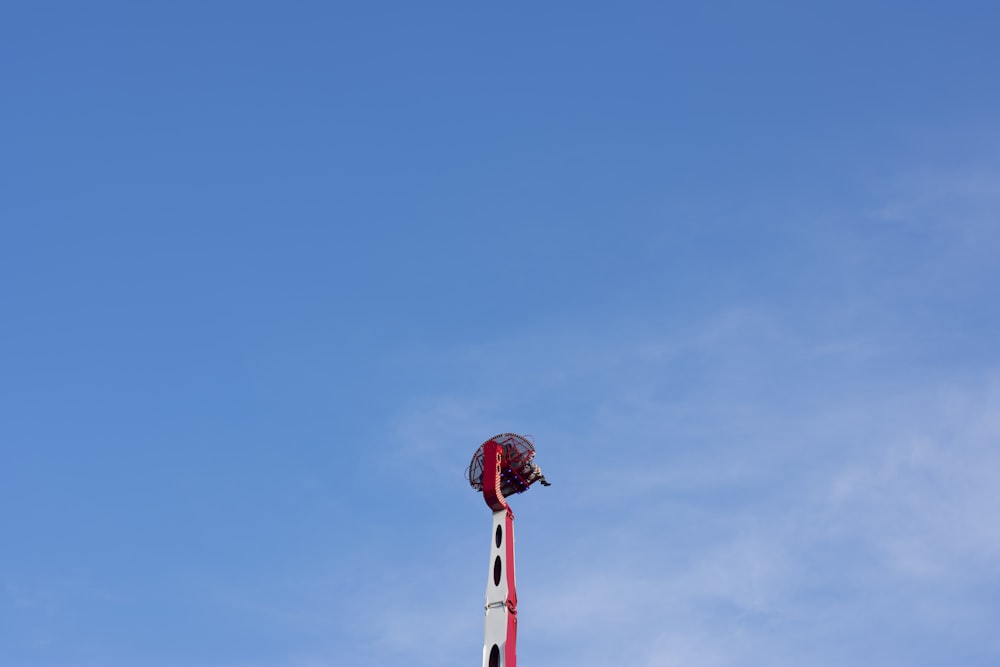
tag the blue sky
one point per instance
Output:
(270, 273)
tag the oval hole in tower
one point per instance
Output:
(496, 571)
(499, 535)
(495, 656)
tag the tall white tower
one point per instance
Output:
(502, 466)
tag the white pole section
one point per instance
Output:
(499, 649)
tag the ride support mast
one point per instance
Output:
(502, 466)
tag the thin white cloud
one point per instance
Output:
(742, 490)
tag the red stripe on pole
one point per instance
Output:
(510, 646)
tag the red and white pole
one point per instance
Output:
(500, 647)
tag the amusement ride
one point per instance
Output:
(503, 466)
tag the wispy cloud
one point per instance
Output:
(744, 488)
(748, 490)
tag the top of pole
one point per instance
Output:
(503, 466)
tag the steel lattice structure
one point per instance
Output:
(501, 467)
